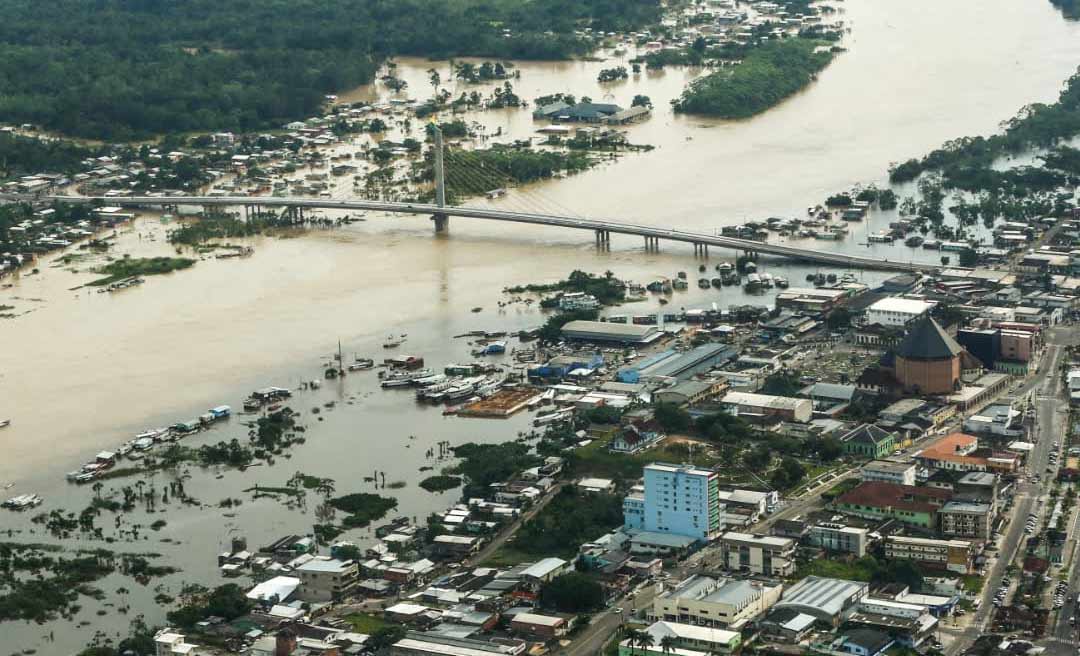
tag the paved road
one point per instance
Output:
(511, 529)
(590, 641)
(1048, 429)
(1064, 635)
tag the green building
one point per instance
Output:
(868, 441)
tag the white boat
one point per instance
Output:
(154, 434)
(553, 417)
(22, 502)
(4, 423)
(463, 389)
(435, 391)
(403, 378)
(753, 282)
(431, 380)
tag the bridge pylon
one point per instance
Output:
(442, 220)
(603, 240)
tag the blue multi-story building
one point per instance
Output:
(676, 499)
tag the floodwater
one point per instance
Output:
(82, 371)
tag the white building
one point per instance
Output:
(889, 471)
(168, 642)
(896, 311)
(705, 601)
(578, 301)
(749, 406)
(327, 579)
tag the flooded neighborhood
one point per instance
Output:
(448, 403)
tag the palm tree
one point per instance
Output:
(632, 637)
(645, 640)
(668, 644)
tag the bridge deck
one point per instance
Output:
(803, 254)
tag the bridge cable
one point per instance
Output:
(531, 198)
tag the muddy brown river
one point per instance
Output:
(82, 371)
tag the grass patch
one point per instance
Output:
(841, 488)
(838, 569)
(140, 266)
(364, 623)
(973, 583)
(598, 460)
(506, 556)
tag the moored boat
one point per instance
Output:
(403, 378)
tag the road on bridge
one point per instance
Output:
(600, 227)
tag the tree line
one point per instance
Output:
(120, 69)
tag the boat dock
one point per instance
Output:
(502, 403)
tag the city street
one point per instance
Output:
(1051, 410)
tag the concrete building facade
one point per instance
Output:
(767, 555)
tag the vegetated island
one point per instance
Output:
(768, 75)
(440, 483)
(140, 266)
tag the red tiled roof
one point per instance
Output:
(878, 494)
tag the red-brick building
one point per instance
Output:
(928, 359)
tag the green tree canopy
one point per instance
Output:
(572, 593)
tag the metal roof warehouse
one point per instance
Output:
(604, 331)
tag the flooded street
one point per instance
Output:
(82, 371)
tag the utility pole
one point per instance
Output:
(441, 219)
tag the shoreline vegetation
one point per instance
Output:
(768, 75)
(968, 179)
(1035, 126)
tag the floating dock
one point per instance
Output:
(503, 403)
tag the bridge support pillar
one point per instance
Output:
(442, 221)
(603, 240)
(701, 249)
(652, 244)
